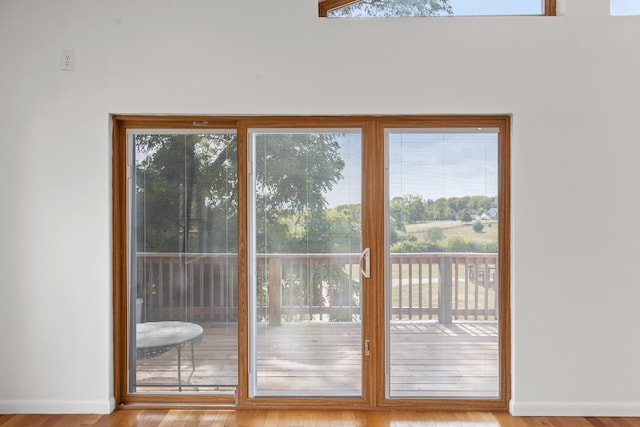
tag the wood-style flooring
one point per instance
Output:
(306, 418)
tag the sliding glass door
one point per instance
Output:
(305, 234)
(312, 261)
(183, 293)
(442, 284)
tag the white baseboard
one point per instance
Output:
(578, 409)
(57, 406)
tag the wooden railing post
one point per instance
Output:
(275, 291)
(445, 291)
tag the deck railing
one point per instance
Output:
(424, 286)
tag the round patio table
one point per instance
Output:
(155, 338)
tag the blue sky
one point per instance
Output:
(435, 165)
(625, 7)
(527, 7)
(431, 165)
(496, 7)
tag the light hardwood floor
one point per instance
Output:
(307, 418)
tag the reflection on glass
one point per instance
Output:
(306, 282)
(441, 275)
(184, 262)
(388, 8)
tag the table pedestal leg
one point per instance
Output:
(193, 363)
(179, 369)
(193, 359)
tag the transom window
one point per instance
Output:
(398, 8)
(625, 7)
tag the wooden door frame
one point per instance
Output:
(244, 401)
(373, 214)
(503, 124)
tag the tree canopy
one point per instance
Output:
(187, 198)
(411, 209)
(186, 192)
(294, 172)
(186, 189)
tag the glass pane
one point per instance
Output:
(625, 7)
(387, 8)
(442, 284)
(183, 287)
(306, 331)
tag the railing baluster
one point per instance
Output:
(466, 288)
(420, 284)
(476, 290)
(455, 288)
(487, 276)
(430, 288)
(160, 295)
(410, 290)
(141, 277)
(148, 296)
(275, 294)
(190, 290)
(309, 275)
(400, 287)
(202, 306)
(182, 283)
(170, 291)
(350, 284)
(167, 289)
(445, 285)
(222, 294)
(302, 286)
(291, 284)
(331, 289)
(211, 270)
(496, 291)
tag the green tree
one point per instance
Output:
(417, 208)
(466, 217)
(460, 244)
(434, 235)
(409, 209)
(478, 226)
(412, 245)
(293, 174)
(394, 8)
(441, 210)
(399, 211)
(186, 189)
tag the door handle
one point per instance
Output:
(366, 271)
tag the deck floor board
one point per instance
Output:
(428, 360)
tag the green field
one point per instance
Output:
(456, 228)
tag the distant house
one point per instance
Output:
(490, 214)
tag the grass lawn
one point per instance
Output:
(456, 228)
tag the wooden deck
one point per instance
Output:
(323, 359)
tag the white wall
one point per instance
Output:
(571, 82)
